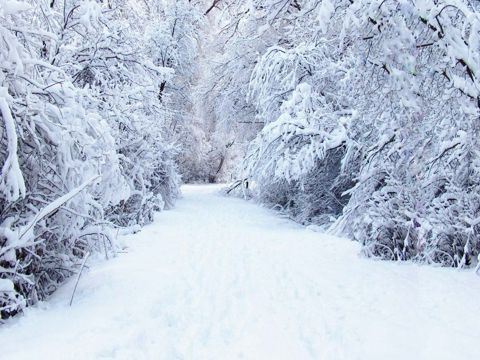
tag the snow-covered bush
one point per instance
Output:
(52, 188)
(82, 139)
(370, 113)
(124, 79)
(426, 150)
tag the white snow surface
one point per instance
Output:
(222, 278)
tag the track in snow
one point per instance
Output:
(221, 278)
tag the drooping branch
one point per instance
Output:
(213, 6)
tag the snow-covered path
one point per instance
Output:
(221, 278)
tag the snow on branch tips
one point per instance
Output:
(12, 183)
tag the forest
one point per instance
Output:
(360, 117)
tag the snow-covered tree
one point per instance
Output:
(370, 111)
(84, 142)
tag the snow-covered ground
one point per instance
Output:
(221, 278)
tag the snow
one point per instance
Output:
(27, 231)
(8, 7)
(221, 278)
(12, 184)
(6, 285)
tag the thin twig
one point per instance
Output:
(78, 277)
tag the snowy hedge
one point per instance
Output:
(83, 141)
(370, 111)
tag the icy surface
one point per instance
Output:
(220, 278)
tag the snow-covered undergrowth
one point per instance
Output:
(369, 113)
(85, 146)
(221, 278)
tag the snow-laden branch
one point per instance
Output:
(12, 183)
(25, 236)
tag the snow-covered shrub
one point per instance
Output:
(57, 173)
(304, 142)
(378, 100)
(426, 146)
(125, 81)
(82, 140)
